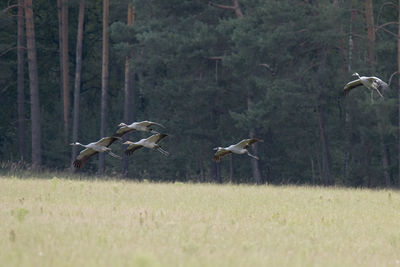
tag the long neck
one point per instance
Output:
(78, 144)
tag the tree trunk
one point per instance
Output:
(312, 171)
(34, 86)
(347, 118)
(384, 153)
(398, 92)
(78, 70)
(20, 80)
(60, 56)
(369, 15)
(214, 172)
(104, 81)
(371, 57)
(254, 163)
(65, 64)
(230, 168)
(129, 83)
(326, 163)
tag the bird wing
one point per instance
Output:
(221, 153)
(123, 130)
(132, 148)
(246, 142)
(155, 138)
(149, 123)
(158, 124)
(83, 156)
(107, 141)
(351, 85)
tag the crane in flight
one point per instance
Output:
(150, 142)
(239, 148)
(92, 149)
(372, 83)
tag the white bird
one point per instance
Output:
(150, 142)
(143, 126)
(93, 148)
(372, 83)
(239, 148)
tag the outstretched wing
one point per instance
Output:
(107, 141)
(83, 156)
(351, 85)
(149, 123)
(155, 138)
(132, 148)
(220, 153)
(123, 130)
(246, 142)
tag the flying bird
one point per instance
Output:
(239, 148)
(372, 83)
(144, 126)
(93, 148)
(150, 142)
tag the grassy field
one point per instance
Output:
(62, 222)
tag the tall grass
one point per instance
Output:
(62, 222)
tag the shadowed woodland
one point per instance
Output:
(213, 73)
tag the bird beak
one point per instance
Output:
(72, 144)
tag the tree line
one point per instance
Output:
(214, 73)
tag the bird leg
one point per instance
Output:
(113, 155)
(372, 96)
(379, 92)
(162, 151)
(248, 153)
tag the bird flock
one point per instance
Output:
(373, 83)
(151, 142)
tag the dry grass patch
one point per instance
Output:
(61, 222)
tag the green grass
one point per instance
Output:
(61, 222)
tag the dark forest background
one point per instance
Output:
(213, 73)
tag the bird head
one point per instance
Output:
(127, 143)
(355, 74)
(122, 124)
(217, 148)
(75, 144)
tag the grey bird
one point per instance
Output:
(372, 83)
(150, 142)
(239, 148)
(92, 149)
(144, 126)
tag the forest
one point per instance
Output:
(214, 73)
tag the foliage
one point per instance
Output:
(196, 67)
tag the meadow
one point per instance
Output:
(71, 222)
